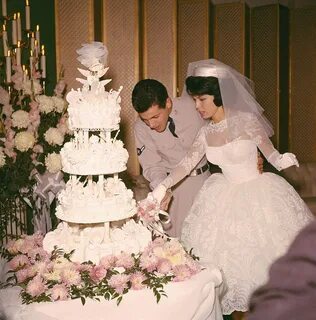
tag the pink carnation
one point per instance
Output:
(34, 105)
(148, 262)
(7, 110)
(38, 253)
(19, 261)
(164, 266)
(194, 266)
(60, 87)
(97, 273)
(36, 287)
(182, 272)
(108, 261)
(21, 275)
(119, 282)
(59, 292)
(136, 280)
(31, 271)
(124, 260)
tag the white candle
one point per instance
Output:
(14, 31)
(18, 26)
(36, 49)
(43, 62)
(18, 54)
(4, 8)
(37, 36)
(32, 41)
(27, 16)
(5, 40)
(8, 66)
(31, 63)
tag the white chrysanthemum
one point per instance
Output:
(29, 87)
(53, 162)
(2, 158)
(60, 104)
(53, 136)
(46, 104)
(92, 54)
(24, 140)
(20, 119)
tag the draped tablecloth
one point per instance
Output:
(194, 299)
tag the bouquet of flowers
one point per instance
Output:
(49, 276)
(34, 130)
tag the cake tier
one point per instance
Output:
(94, 108)
(95, 202)
(94, 242)
(93, 157)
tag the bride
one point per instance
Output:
(241, 221)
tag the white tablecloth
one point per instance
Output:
(195, 299)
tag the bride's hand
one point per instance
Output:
(159, 192)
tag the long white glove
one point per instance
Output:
(283, 161)
(159, 192)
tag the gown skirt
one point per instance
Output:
(242, 228)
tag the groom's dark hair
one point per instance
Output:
(149, 92)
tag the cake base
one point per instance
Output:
(196, 298)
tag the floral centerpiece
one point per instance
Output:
(50, 276)
(34, 130)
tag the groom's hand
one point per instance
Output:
(166, 200)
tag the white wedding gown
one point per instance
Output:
(241, 220)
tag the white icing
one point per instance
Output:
(95, 202)
(89, 242)
(94, 156)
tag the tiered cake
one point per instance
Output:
(90, 201)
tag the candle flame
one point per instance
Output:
(14, 16)
(18, 15)
(43, 50)
(27, 3)
(3, 27)
(37, 27)
(9, 53)
(19, 44)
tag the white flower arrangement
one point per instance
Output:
(24, 141)
(54, 137)
(53, 162)
(60, 104)
(46, 104)
(20, 119)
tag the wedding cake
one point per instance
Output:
(91, 202)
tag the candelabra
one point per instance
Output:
(22, 41)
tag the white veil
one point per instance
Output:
(237, 95)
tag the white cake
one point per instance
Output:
(91, 203)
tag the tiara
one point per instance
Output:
(210, 71)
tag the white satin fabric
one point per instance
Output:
(195, 299)
(242, 220)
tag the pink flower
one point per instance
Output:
(71, 277)
(119, 282)
(181, 272)
(10, 135)
(194, 266)
(4, 97)
(37, 238)
(97, 273)
(31, 271)
(148, 262)
(18, 261)
(59, 292)
(21, 275)
(124, 260)
(27, 246)
(7, 110)
(33, 105)
(136, 280)
(60, 88)
(82, 267)
(108, 261)
(164, 266)
(38, 253)
(35, 287)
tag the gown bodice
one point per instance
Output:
(237, 159)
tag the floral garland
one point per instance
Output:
(51, 276)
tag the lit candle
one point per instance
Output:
(43, 62)
(31, 63)
(8, 66)
(14, 31)
(4, 8)
(18, 54)
(27, 16)
(36, 54)
(37, 36)
(32, 41)
(18, 26)
(5, 40)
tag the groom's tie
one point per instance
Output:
(172, 127)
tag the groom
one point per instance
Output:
(164, 132)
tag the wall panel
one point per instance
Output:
(74, 26)
(120, 32)
(303, 83)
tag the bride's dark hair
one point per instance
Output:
(197, 86)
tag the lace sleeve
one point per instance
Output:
(186, 165)
(256, 132)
